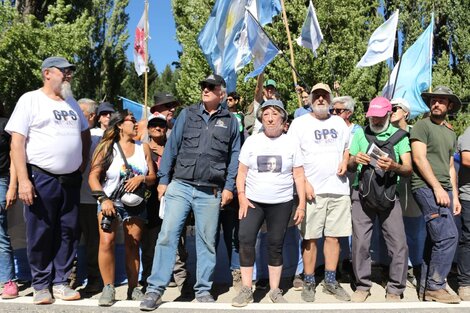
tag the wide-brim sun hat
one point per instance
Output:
(443, 91)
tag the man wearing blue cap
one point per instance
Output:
(197, 172)
(49, 144)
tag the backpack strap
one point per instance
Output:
(397, 136)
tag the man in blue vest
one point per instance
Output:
(197, 173)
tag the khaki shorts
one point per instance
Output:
(328, 215)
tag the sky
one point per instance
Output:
(162, 45)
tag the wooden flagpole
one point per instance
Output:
(146, 36)
(291, 50)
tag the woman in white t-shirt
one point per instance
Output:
(107, 169)
(270, 163)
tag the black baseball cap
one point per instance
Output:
(213, 79)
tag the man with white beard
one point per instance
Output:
(391, 220)
(50, 142)
(324, 141)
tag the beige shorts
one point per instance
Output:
(328, 215)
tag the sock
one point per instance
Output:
(330, 277)
(309, 278)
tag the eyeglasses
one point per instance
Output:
(394, 109)
(338, 111)
(105, 113)
(210, 87)
(132, 119)
(65, 71)
(230, 99)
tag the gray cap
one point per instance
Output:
(271, 103)
(58, 62)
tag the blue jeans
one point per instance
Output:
(180, 199)
(7, 267)
(441, 241)
(415, 230)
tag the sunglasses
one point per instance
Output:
(394, 109)
(161, 124)
(230, 99)
(132, 119)
(337, 111)
(65, 71)
(209, 87)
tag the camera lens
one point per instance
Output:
(106, 222)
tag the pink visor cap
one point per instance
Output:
(379, 107)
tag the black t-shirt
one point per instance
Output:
(4, 147)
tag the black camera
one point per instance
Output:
(106, 222)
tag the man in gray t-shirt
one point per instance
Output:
(464, 196)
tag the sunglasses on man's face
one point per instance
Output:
(65, 71)
(209, 87)
(337, 111)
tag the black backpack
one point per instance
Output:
(377, 189)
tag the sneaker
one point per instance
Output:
(336, 290)
(244, 297)
(135, 294)
(360, 295)
(151, 301)
(297, 283)
(440, 295)
(276, 296)
(64, 292)
(42, 296)
(10, 290)
(464, 293)
(205, 298)
(108, 296)
(308, 292)
(237, 279)
(391, 297)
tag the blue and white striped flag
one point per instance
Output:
(311, 35)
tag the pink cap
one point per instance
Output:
(379, 107)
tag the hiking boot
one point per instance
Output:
(244, 297)
(64, 292)
(135, 294)
(308, 292)
(297, 283)
(42, 296)
(205, 298)
(360, 295)
(108, 296)
(151, 301)
(464, 293)
(10, 290)
(276, 296)
(237, 279)
(391, 297)
(336, 290)
(440, 295)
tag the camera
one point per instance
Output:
(106, 222)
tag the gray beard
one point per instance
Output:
(378, 130)
(320, 113)
(66, 90)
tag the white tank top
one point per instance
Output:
(117, 169)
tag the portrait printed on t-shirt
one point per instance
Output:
(269, 163)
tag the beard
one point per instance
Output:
(321, 113)
(66, 90)
(377, 129)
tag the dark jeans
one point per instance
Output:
(464, 246)
(441, 240)
(229, 222)
(89, 229)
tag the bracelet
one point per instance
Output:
(102, 199)
(97, 194)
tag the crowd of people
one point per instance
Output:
(82, 168)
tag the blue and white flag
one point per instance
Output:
(263, 51)
(264, 10)
(136, 108)
(219, 37)
(414, 73)
(311, 35)
(381, 43)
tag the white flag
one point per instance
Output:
(310, 36)
(381, 43)
(139, 47)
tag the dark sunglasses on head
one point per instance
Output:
(210, 87)
(337, 111)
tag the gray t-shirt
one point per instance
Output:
(464, 172)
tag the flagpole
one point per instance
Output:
(430, 50)
(294, 76)
(277, 47)
(146, 58)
